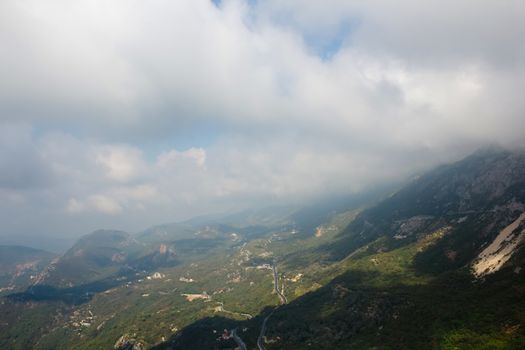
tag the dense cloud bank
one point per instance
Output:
(126, 113)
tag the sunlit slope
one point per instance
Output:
(397, 274)
(19, 267)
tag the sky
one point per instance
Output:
(126, 113)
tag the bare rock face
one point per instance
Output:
(476, 198)
(128, 342)
(493, 257)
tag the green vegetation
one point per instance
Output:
(393, 276)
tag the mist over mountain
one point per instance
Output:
(360, 272)
(240, 174)
(120, 115)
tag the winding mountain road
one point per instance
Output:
(283, 300)
(260, 339)
(238, 340)
(276, 286)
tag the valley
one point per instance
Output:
(438, 262)
(262, 175)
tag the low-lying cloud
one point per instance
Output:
(125, 114)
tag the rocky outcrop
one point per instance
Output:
(493, 257)
(128, 342)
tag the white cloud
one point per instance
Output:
(104, 204)
(121, 163)
(105, 107)
(75, 206)
(140, 192)
(95, 203)
(171, 158)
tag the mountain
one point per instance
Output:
(268, 216)
(247, 223)
(20, 265)
(472, 200)
(438, 264)
(96, 256)
(167, 232)
(110, 254)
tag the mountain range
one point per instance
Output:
(435, 264)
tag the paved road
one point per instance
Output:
(283, 300)
(276, 285)
(260, 344)
(238, 339)
(221, 308)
